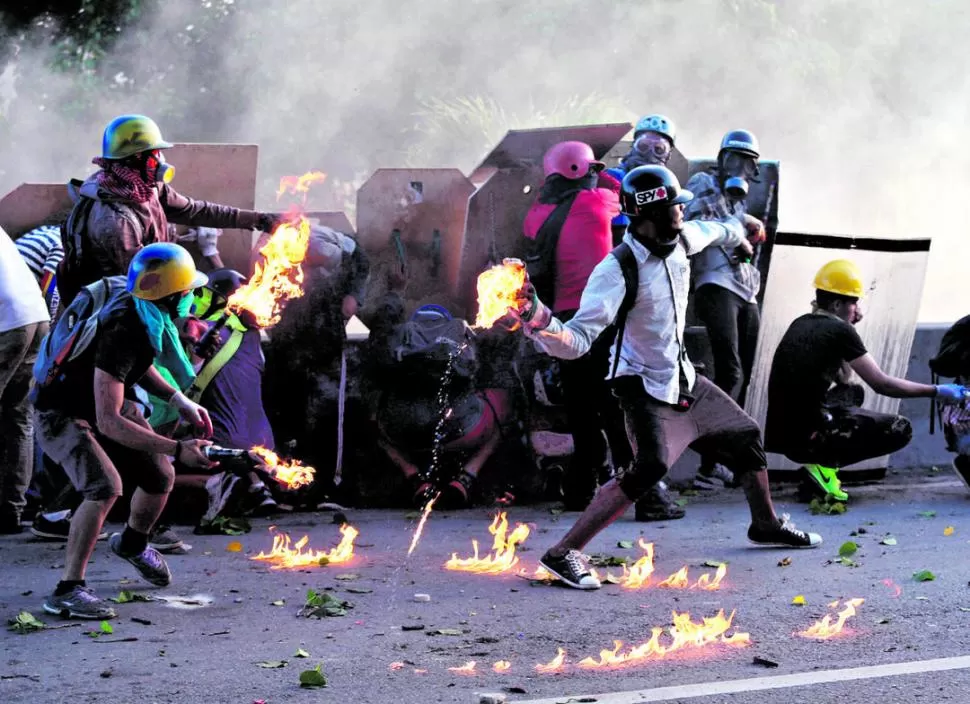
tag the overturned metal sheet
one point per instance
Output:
(412, 221)
(525, 148)
(31, 205)
(220, 173)
(894, 270)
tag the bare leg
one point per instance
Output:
(86, 524)
(145, 510)
(609, 504)
(758, 493)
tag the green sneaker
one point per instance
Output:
(827, 480)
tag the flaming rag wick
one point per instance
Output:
(424, 518)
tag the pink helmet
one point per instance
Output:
(570, 159)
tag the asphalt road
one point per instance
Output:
(208, 651)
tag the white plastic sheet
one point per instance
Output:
(894, 271)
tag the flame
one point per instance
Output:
(424, 518)
(300, 185)
(502, 666)
(678, 580)
(290, 474)
(706, 584)
(282, 555)
(502, 558)
(638, 574)
(278, 276)
(825, 629)
(498, 288)
(683, 634)
(396, 666)
(897, 590)
(554, 665)
(467, 669)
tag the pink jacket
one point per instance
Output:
(585, 239)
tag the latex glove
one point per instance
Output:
(952, 394)
(192, 412)
(746, 247)
(348, 307)
(191, 453)
(755, 229)
(206, 237)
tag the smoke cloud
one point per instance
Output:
(864, 103)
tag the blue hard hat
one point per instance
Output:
(430, 312)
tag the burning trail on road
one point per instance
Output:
(826, 628)
(502, 558)
(424, 519)
(283, 555)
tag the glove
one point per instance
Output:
(268, 222)
(952, 394)
(206, 237)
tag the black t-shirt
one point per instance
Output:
(121, 348)
(805, 365)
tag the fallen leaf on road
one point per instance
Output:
(948, 531)
(349, 577)
(927, 514)
(822, 507)
(126, 596)
(888, 540)
(359, 590)
(964, 608)
(924, 576)
(625, 544)
(601, 560)
(301, 653)
(882, 621)
(278, 602)
(848, 549)
(714, 564)
(272, 664)
(446, 632)
(798, 601)
(764, 662)
(25, 623)
(321, 604)
(234, 546)
(784, 562)
(313, 678)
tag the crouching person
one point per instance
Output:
(953, 361)
(105, 343)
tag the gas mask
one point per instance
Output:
(156, 169)
(652, 148)
(736, 170)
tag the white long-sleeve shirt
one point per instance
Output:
(653, 342)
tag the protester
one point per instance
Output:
(23, 324)
(86, 423)
(128, 203)
(953, 361)
(726, 283)
(41, 248)
(574, 208)
(813, 410)
(667, 406)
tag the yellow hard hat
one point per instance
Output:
(161, 269)
(841, 277)
(130, 134)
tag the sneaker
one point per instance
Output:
(961, 465)
(715, 478)
(164, 539)
(572, 568)
(55, 526)
(80, 602)
(150, 563)
(658, 504)
(783, 536)
(221, 489)
(259, 501)
(827, 479)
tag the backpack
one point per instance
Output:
(75, 330)
(540, 259)
(953, 358)
(417, 354)
(631, 277)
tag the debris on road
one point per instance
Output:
(924, 576)
(314, 677)
(422, 597)
(321, 604)
(764, 662)
(25, 622)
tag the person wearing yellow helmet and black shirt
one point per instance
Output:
(128, 203)
(814, 415)
(86, 422)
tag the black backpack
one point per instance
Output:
(417, 354)
(540, 260)
(631, 277)
(953, 358)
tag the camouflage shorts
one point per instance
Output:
(956, 425)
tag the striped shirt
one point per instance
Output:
(41, 248)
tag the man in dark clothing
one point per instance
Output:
(813, 410)
(85, 422)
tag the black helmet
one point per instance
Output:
(212, 298)
(740, 141)
(651, 188)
